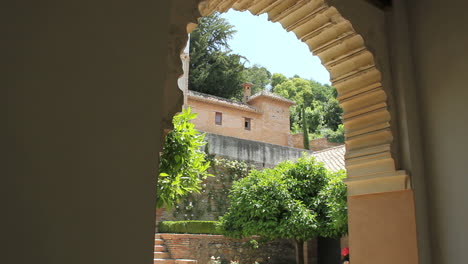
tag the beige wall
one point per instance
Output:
(85, 105)
(387, 221)
(298, 140)
(275, 120)
(84, 100)
(439, 48)
(271, 125)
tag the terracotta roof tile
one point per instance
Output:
(223, 101)
(270, 95)
(332, 158)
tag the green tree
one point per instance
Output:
(315, 115)
(335, 136)
(300, 200)
(332, 114)
(213, 68)
(259, 76)
(322, 110)
(182, 165)
(305, 131)
(277, 78)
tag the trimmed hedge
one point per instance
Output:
(190, 227)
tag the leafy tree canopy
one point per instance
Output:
(182, 164)
(259, 76)
(276, 79)
(322, 110)
(300, 200)
(213, 69)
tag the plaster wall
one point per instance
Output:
(368, 214)
(438, 41)
(232, 120)
(84, 104)
(258, 153)
(271, 126)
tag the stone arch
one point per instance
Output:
(353, 71)
(380, 198)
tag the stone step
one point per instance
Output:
(162, 255)
(159, 248)
(157, 236)
(185, 261)
(158, 241)
(163, 261)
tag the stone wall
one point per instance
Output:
(322, 143)
(212, 202)
(253, 152)
(297, 140)
(203, 247)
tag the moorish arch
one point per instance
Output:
(369, 134)
(370, 156)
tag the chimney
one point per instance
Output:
(247, 91)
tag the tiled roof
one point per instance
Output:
(270, 95)
(222, 101)
(332, 158)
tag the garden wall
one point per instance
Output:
(321, 144)
(253, 152)
(212, 201)
(203, 247)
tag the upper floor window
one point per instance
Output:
(247, 123)
(218, 118)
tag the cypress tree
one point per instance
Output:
(305, 131)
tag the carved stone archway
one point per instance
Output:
(373, 180)
(369, 162)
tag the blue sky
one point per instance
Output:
(269, 45)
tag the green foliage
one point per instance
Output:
(182, 164)
(213, 69)
(335, 195)
(305, 131)
(322, 110)
(276, 79)
(259, 76)
(190, 227)
(212, 200)
(332, 114)
(335, 136)
(299, 200)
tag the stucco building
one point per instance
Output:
(91, 86)
(262, 117)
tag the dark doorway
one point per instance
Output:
(328, 250)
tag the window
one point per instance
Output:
(247, 123)
(218, 118)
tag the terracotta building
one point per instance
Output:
(262, 117)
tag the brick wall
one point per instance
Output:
(202, 247)
(322, 143)
(298, 140)
(270, 126)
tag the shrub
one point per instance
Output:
(190, 227)
(334, 136)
